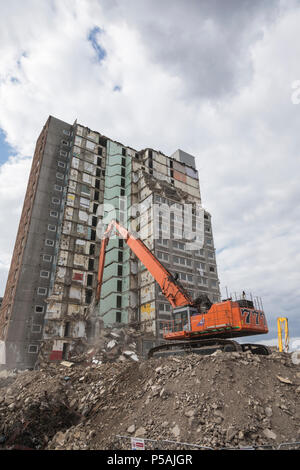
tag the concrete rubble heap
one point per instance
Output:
(221, 400)
(113, 344)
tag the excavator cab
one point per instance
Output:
(182, 318)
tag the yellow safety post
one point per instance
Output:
(282, 321)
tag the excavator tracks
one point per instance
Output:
(205, 347)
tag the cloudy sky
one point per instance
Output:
(217, 78)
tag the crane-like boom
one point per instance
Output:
(171, 288)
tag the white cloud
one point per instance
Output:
(245, 135)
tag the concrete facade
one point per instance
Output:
(79, 180)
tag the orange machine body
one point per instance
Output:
(223, 320)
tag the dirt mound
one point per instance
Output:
(222, 400)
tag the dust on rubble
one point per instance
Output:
(221, 400)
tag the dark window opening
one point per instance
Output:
(93, 234)
(123, 162)
(65, 353)
(120, 257)
(88, 296)
(119, 286)
(120, 270)
(171, 163)
(99, 161)
(89, 281)
(123, 182)
(92, 249)
(102, 141)
(95, 207)
(98, 172)
(94, 221)
(123, 172)
(121, 243)
(124, 152)
(97, 184)
(100, 151)
(91, 264)
(96, 196)
(119, 301)
(118, 317)
(67, 329)
(150, 153)
(122, 192)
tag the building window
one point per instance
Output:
(164, 307)
(124, 152)
(65, 142)
(119, 301)
(59, 176)
(53, 214)
(61, 164)
(33, 349)
(44, 274)
(163, 256)
(39, 309)
(42, 291)
(211, 269)
(57, 187)
(66, 132)
(49, 242)
(91, 264)
(55, 200)
(47, 258)
(52, 228)
(120, 270)
(118, 317)
(119, 286)
(63, 153)
(36, 328)
(89, 280)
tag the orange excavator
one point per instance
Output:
(197, 325)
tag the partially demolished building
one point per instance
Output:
(80, 180)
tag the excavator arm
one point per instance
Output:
(171, 288)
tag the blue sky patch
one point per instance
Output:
(5, 149)
(92, 37)
(117, 88)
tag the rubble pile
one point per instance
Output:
(113, 344)
(222, 400)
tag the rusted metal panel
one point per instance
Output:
(179, 176)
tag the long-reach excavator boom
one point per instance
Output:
(199, 322)
(170, 287)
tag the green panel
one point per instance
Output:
(112, 191)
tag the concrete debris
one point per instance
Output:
(283, 380)
(224, 400)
